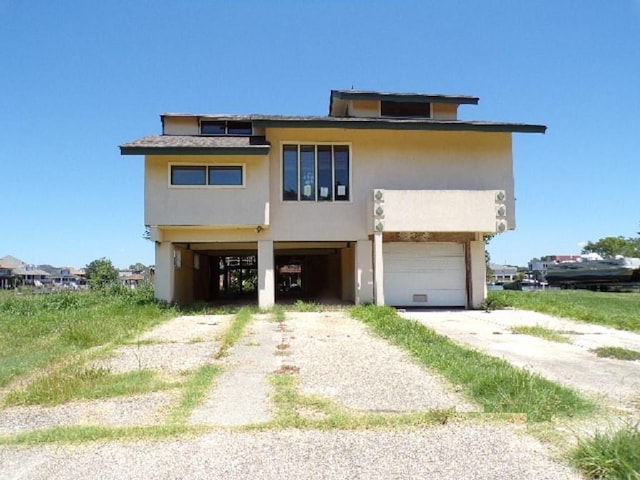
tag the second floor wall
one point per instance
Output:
(374, 159)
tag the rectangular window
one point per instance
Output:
(188, 175)
(213, 127)
(214, 175)
(225, 175)
(325, 173)
(405, 109)
(315, 173)
(290, 172)
(225, 127)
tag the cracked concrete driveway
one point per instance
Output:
(337, 358)
(616, 382)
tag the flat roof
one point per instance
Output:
(403, 97)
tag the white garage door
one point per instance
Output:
(424, 274)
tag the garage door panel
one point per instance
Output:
(424, 274)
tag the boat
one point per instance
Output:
(594, 272)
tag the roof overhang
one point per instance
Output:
(196, 145)
(399, 124)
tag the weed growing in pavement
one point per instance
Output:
(492, 382)
(617, 353)
(616, 310)
(610, 455)
(294, 410)
(90, 433)
(235, 331)
(541, 332)
(194, 392)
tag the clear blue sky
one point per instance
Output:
(78, 78)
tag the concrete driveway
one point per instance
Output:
(616, 382)
(333, 356)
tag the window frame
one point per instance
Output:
(316, 192)
(400, 115)
(207, 166)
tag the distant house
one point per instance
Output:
(386, 199)
(17, 272)
(502, 273)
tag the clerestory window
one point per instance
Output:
(315, 173)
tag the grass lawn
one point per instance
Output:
(616, 310)
(39, 330)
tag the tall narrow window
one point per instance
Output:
(307, 172)
(325, 180)
(341, 168)
(290, 172)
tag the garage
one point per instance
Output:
(424, 274)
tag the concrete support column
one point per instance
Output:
(164, 280)
(478, 274)
(378, 268)
(363, 273)
(266, 278)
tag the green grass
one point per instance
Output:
(194, 392)
(79, 383)
(610, 456)
(541, 332)
(491, 382)
(617, 352)
(294, 410)
(616, 310)
(93, 433)
(235, 331)
(38, 330)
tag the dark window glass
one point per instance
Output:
(341, 169)
(325, 180)
(239, 128)
(307, 172)
(225, 175)
(188, 175)
(210, 127)
(405, 109)
(290, 172)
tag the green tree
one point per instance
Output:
(612, 246)
(101, 273)
(137, 267)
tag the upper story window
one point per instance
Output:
(214, 175)
(405, 109)
(316, 173)
(225, 127)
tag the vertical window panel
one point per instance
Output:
(290, 172)
(307, 173)
(341, 169)
(325, 174)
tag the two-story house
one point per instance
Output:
(385, 200)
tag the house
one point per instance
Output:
(386, 200)
(14, 272)
(503, 273)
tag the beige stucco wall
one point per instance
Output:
(437, 210)
(207, 205)
(186, 125)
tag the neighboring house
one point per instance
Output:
(385, 200)
(502, 273)
(14, 272)
(131, 278)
